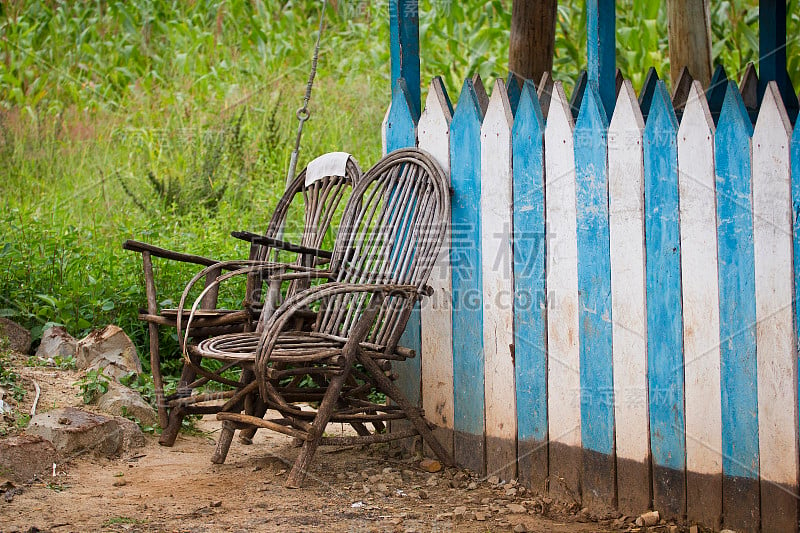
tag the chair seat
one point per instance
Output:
(291, 347)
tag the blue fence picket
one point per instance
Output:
(465, 261)
(602, 50)
(401, 132)
(404, 48)
(664, 306)
(594, 296)
(740, 454)
(529, 289)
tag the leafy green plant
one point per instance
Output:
(9, 379)
(93, 384)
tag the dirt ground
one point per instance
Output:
(178, 489)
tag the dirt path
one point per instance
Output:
(178, 489)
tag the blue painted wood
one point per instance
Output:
(404, 47)
(514, 90)
(530, 349)
(715, 93)
(401, 132)
(465, 261)
(739, 383)
(594, 300)
(772, 53)
(576, 98)
(601, 50)
(648, 90)
(664, 306)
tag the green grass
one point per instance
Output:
(172, 123)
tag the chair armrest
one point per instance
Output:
(140, 247)
(254, 238)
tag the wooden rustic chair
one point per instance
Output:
(391, 232)
(318, 193)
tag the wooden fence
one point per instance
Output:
(614, 321)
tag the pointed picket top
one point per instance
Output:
(649, 87)
(480, 92)
(773, 120)
(749, 87)
(499, 114)
(514, 89)
(468, 108)
(618, 80)
(733, 116)
(662, 117)
(434, 124)
(529, 120)
(592, 116)
(577, 94)
(696, 114)
(384, 126)
(437, 104)
(680, 92)
(560, 122)
(627, 115)
(715, 94)
(401, 125)
(545, 92)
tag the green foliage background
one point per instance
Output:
(169, 121)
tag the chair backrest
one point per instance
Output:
(391, 232)
(318, 215)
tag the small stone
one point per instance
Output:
(216, 503)
(511, 492)
(366, 488)
(110, 349)
(18, 338)
(480, 517)
(516, 508)
(647, 519)
(494, 480)
(460, 511)
(256, 468)
(422, 495)
(280, 472)
(120, 483)
(520, 528)
(472, 485)
(430, 465)
(432, 481)
(444, 516)
(388, 470)
(381, 487)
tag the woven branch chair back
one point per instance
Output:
(391, 232)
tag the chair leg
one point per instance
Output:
(170, 432)
(258, 409)
(223, 443)
(301, 465)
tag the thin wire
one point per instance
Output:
(303, 113)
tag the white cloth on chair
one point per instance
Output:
(331, 164)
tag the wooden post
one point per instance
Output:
(404, 47)
(601, 50)
(533, 37)
(690, 39)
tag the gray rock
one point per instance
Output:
(18, 338)
(516, 508)
(110, 349)
(520, 528)
(122, 401)
(25, 456)
(132, 436)
(73, 431)
(56, 342)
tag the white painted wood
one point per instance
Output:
(433, 134)
(498, 282)
(628, 283)
(384, 125)
(775, 340)
(700, 289)
(563, 357)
